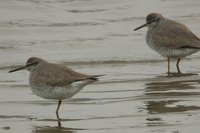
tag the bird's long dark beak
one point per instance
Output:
(23, 67)
(141, 26)
(17, 69)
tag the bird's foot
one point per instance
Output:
(173, 74)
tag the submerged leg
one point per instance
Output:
(57, 114)
(168, 62)
(177, 66)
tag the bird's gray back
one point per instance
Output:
(173, 35)
(55, 75)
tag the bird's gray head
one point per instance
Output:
(152, 20)
(31, 64)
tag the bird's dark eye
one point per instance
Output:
(32, 63)
(154, 20)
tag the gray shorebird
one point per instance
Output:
(169, 38)
(53, 81)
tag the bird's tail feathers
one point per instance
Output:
(91, 77)
(95, 77)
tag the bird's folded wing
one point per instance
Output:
(61, 76)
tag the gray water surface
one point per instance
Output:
(97, 37)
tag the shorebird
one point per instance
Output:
(169, 38)
(53, 81)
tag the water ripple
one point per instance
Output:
(86, 11)
(19, 23)
(123, 19)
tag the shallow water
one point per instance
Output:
(97, 37)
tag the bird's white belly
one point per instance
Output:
(64, 92)
(170, 52)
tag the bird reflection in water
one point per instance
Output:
(160, 95)
(165, 96)
(48, 129)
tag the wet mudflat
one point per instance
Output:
(97, 37)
